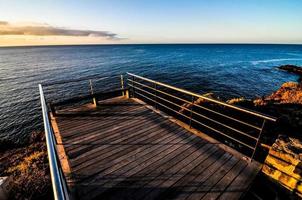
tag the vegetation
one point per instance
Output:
(28, 168)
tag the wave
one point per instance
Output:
(256, 62)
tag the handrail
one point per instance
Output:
(199, 106)
(209, 127)
(249, 141)
(207, 98)
(79, 79)
(58, 183)
(203, 116)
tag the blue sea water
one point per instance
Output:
(226, 70)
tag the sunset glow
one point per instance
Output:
(114, 22)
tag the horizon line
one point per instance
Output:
(126, 44)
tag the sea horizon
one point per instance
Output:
(130, 44)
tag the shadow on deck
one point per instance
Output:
(124, 150)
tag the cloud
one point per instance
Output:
(3, 23)
(47, 30)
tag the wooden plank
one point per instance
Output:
(184, 187)
(100, 111)
(219, 187)
(101, 139)
(122, 149)
(108, 124)
(138, 159)
(95, 135)
(175, 173)
(106, 180)
(101, 129)
(113, 156)
(126, 187)
(96, 113)
(73, 130)
(241, 184)
(130, 139)
(204, 187)
(195, 131)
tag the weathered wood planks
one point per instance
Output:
(123, 150)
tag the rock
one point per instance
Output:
(291, 68)
(285, 104)
(236, 100)
(5, 187)
(284, 163)
(288, 93)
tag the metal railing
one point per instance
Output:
(226, 124)
(57, 178)
(86, 89)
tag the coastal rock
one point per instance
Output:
(236, 100)
(291, 68)
(288, 93)
(284, 163)
(285, 104)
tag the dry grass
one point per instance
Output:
(28, 167)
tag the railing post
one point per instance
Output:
(133, 91)
(258, 139)
(94, 101)
(192, 104)
(155, 86)
(122, 85)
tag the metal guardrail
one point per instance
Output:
(58, 181)
(93, 91)
(151, 93)
(57, 178)
(80, 79)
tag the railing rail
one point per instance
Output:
(151, 92)
(57, 178)
(206, 98)
(100, 77)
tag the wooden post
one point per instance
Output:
(127, 93)
(94, 101)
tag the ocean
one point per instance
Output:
(227, 70)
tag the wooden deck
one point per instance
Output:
(123, 150)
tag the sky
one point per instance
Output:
(59, 22)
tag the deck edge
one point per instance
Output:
(64, 161)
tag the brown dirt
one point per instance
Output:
(28, 167)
